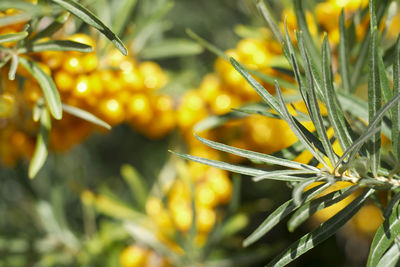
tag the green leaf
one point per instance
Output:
(384, 81)
(391, 205)
(234, 203)
(14, 19)
(354, 105)
(136, 184)
(13, 67)
(221, 165)
(265, 95)
(12, 37)
(309, 42)
(53, 27)
(372, 14)
(301, 132)
(391, 257)
(396, 107)
(57, 45)
(256, 156)
(48, 87)
(315, 111)
(308, 209)
(298, 190)
(41, 150)
(384, 236)
(20, 5)
(321, 233)
(212, 122)
(285, 174)
(280, 213)
(335, 114)
(371, 130)
(266, 14)
(290, 152)
(363, 50)
(315, 76)
(360, 61)
(171, 48)
(343, 56)
(87, 116)
(207, 44)
(374, 100)
(85, 15)
(123, 16)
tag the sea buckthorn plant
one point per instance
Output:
(349, 83)
(29, 90)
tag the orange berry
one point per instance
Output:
(153, 76)
(64, 81)
(111, 110)
(89, 62)
(139, 109)
(73, 65)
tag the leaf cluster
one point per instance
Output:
(362, 160)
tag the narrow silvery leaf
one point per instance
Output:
(384, 236)
(374, 101)
(13, 67)
(284, 173)
(315, 76)
(222, 165)
(280, 213)
(256, 156)
(57, 45)
(80, 113)
(87, 16)
(391, 257)
(371, 129)
(266, 14)
(391, 205)
(315, 110)
(335, 114)
(51, 28)
(321, 233)
(344, 56)
(135, 183)
(266, 96)
(298, 190)
(372, 14)
(308, 209)
(297, 130)
(396, 107)
(124, 15)
(13, 37)
(302, 23)
(41, 150)
(48, 87)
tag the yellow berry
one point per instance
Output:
(206, 196)
(7, 105)
(205, 219)
(64, 81)
(139, 109)
(111, 110)
(220, 183)
(133, 256)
